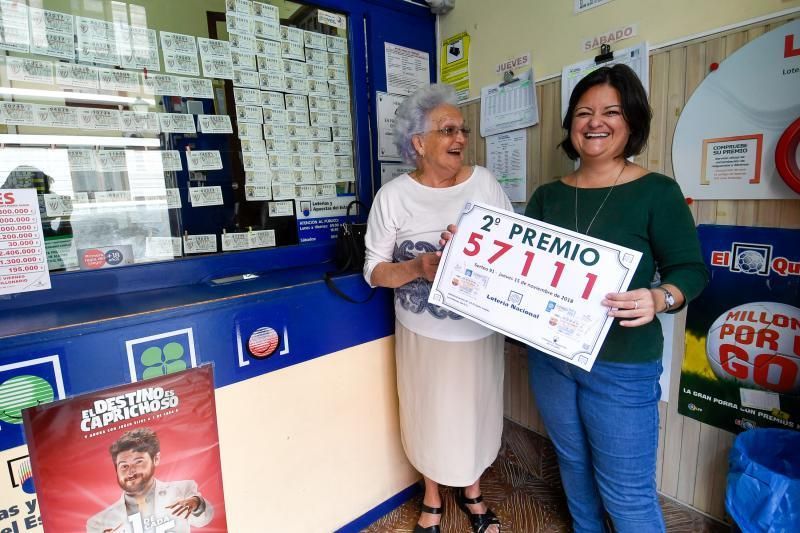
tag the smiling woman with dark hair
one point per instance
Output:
(449, 370)
(604, 423)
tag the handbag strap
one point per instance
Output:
(332, 286)
(351, 204)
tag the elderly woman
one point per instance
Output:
(604, 423)
(449, 370)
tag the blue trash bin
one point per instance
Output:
(763, 491)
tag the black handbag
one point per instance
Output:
(350, 253)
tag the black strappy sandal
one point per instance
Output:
(430, 510)
(479, 522)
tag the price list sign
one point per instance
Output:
(23, 262)
(535, 282)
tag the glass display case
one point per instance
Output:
(163, 129)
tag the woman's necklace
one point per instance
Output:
(624, 164)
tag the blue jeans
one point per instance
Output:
(604, 425)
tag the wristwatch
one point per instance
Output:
(669, 299)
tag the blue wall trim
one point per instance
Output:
(363, 521)
(82, 351)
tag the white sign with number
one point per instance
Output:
(532, 281)
(23, 260)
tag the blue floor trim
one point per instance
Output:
(363, 521)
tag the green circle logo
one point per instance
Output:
(21, 392)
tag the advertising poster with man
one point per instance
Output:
(138, 458)
(742, 364)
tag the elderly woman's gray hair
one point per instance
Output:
(412, 116)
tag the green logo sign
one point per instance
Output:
(162, 360)
(21, 392)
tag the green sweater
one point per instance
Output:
(648, 214)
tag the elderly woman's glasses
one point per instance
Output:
(450, 131)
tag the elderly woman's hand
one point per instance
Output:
(636, 307)
(447, 234)
(428, 263)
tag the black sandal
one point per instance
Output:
(430, 529)
(479, 522)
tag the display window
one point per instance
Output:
(164, 129)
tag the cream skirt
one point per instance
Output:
(451, 404)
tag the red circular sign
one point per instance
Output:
(262, 342)
(94, 258)
(786, 156)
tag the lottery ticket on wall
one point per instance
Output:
(81, 160)
(195, 87)
(74, 75)
(318, 57)
(258, 178)
(277, 144)
(100, 119)
(177, 123)
(137, 47)
(249, 131)
(274, 116)
(51, 33)
(265, 11)
(159, 248)
(253, 145)
(173, 198)
(171, 160)
(337, 44)
(326, 190)
(15, 35)
(268, 48)
(105, 197)
(57, 116)
(203, 160)
(215, 56)
(281, 191)
(304, 177)
(249, 114)
(242, 60)
(161, 84)
(205, 196)
(242, 43)
(200, 244)
(180, 53)
(322, 147)
(255, 162)
(235, 241)
(238, 6)
(111, 161)
(293, 50)
(215, 123)
(29, 70)
(267, 29)
(244, 96)
(119, 80)
(258, 192)
(337, 60)
(318, 87)
(262, 238)
(96, 41)
(246, 78)
(239, 23)
(135, 122)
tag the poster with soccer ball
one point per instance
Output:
(742, 363)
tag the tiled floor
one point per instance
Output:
(524, 490)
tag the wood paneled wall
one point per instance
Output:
(692, 457)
